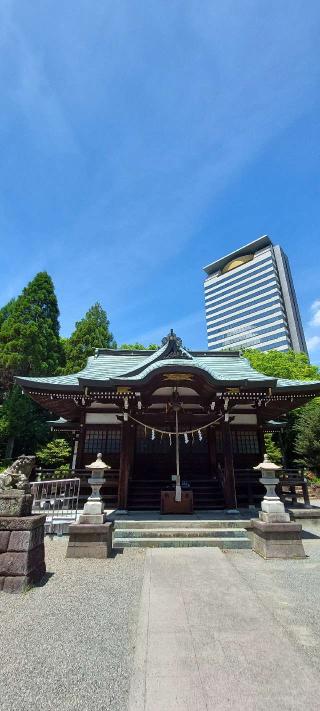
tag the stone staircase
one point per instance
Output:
(145, 492)
(173, 533)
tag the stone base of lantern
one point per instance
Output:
(278, 539)
(90, 540)
(93, 513)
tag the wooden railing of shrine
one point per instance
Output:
(292, 484)
(249, 491)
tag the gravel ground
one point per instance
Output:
(290, 590)
(69, 644)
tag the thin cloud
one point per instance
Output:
(313, 330)
(185, 328)
(313, 343)
(166, 106)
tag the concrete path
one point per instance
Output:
(206, 642)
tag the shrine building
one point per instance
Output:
(156, 414)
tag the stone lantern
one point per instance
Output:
(272, 509)
(274, 535)
(91, 535)
(94, 507)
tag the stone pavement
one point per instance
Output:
(206, 641)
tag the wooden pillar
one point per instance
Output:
(81, 439)
(229, 486)
(75, 450)
(126, 462)
(212, 451)
(260, 434)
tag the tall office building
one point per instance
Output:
(251, 302)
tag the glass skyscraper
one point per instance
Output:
(251, 302)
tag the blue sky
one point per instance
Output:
(142, 139)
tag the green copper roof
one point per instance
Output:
(112, 368)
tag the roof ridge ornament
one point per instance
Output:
(175, 349)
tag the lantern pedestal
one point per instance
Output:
(277, 540)
(91, 536)
(90, 540)
(274, 535)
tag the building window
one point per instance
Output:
(242, 442)
(104, 441)
(245, 442)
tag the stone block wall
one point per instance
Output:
(22, 557)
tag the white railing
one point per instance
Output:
(58, 499)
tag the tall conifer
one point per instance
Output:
(90, 332)
(29, 345)
(29, 336)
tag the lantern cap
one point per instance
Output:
(98, 464)
(267, 465)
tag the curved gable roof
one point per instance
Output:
(113, 368)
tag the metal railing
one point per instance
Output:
(108, 491)
(58, 499)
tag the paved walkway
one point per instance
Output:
(206, 641)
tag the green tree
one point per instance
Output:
(295, 366)
(90, 333)
(272, 449)
(5, 311)
(29, 334)
(307, 429)
(138, 347)
(280, 364)
(54, 453)
(23, 424)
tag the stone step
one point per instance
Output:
(179, 533)
(182, 523)
(231, 542)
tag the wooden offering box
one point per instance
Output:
(170, 506)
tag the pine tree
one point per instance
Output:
(29, 335)
(90, 333)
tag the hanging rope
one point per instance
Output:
(175, 434)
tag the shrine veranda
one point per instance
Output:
(129, 404)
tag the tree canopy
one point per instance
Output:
(6, 310)
(91, 332)
(23, 423)
(55, 453)
(299, 440)
(138, 347)
(29, 345)
(307, 430)
(29, 333)
(283, 364)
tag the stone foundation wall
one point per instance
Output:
(22, 557)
